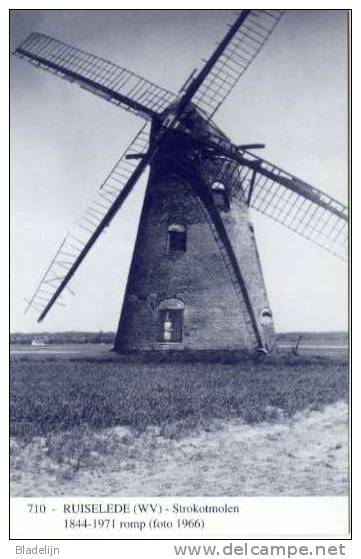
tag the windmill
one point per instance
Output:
(195, 279)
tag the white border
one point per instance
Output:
(158, 548)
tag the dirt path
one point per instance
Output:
(305, 456)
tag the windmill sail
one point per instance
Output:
(95, 219)
(262, 185)
(232, 58)
(295, 204)
(103, 78)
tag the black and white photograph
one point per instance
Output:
(179, 253)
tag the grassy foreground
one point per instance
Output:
(57, 395)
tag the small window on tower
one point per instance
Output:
(220, 197)
(177, 238)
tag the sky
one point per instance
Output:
(64, 141)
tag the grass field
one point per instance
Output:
(73, 417)
(57, 395)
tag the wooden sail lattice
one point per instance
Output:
(76, 241)
(300, 207)
(97, 75)
(235, 59)
(263, 186)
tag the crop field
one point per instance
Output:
(103, 427)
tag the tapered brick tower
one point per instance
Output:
(195, 280)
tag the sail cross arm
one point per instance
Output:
(254, 186)
(97, 75)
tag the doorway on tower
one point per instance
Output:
(266, 321)
(171, 313)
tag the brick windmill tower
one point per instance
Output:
(195, 279)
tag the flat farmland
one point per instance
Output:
(105, 425)
(308, 344)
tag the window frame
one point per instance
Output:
(174, 230)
